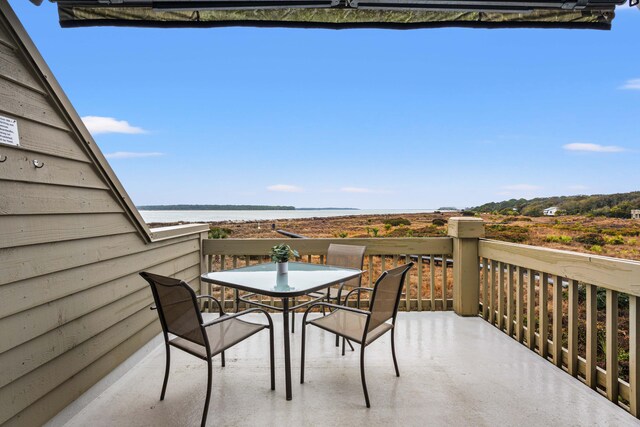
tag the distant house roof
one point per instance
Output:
(401, 14)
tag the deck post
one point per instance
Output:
(466, 232)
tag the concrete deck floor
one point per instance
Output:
(454, 371)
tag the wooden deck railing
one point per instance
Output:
(568, 307)
(429, 282)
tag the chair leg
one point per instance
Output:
(364, 381)
(393, 352)
(223, 364)
(272, 358)
(166, 370)
(208, 398)
(343, 344)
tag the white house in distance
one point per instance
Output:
(635, 213)
(550, 211)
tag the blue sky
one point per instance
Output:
(354, 118)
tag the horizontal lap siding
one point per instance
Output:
(72, 305)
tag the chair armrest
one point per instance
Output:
(226, 317)
(359, 289)
(220, 308)
(336, 306)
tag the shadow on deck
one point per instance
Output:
(454, 371)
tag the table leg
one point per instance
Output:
(287, 349)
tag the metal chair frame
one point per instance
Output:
(363, 341)
(203, 325)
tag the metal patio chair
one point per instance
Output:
(350, 256)
(361, 326)
(177, 306)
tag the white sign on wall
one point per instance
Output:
(9, 131)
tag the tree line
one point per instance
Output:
(617, 205)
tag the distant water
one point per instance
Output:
(208, 216)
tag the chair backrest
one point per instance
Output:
(177, 307)
(349, 256)
(386, 295)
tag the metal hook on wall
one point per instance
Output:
(3, 159)
(38, 164)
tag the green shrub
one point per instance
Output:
(395, 222)
(468, 213)
(341, 234)
(596, 249)
(507, 233)
(439, 222)
(558, 239)
(616, 240)
(219, 233)
(591, 239)
(387, 227)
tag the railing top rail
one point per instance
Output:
(611, 273)
(313, 246)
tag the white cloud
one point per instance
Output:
(521, 187)
(97, 125)
(131, 155)
(356, 190)
(594, 148)
(285, 188)
(631, 84)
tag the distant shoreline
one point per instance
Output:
(234, 208)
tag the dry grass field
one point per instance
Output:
(600, 236)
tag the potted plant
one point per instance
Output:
(280, 254)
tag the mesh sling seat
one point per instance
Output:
(177, 306)
(361, 326)
(349, 256)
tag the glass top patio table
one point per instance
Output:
(263, 279)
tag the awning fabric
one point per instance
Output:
(339, 17)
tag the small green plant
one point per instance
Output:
(395, 222)
(387, 227)
(219, 233)
(409, 233)
(374, 231)
(439, 222)
(596, 248)
(341, 234)
(615, 240)
(558, 239)
(282, 253)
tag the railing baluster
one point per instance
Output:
(557, 321)
(612, 345)
(500, 296)
(531, 309)
(592, 336)
(572, 364)
(432, 282)
(444, 283)
(520, 304)
(419, 290)
(544, 314)
(234, 264)
(222, 289)
(510, 301)
(485, 283)
(407, 281)
(492, 296)
(634, 353)
(370, 272)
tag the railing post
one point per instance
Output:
(204, 265)
(466, 232)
